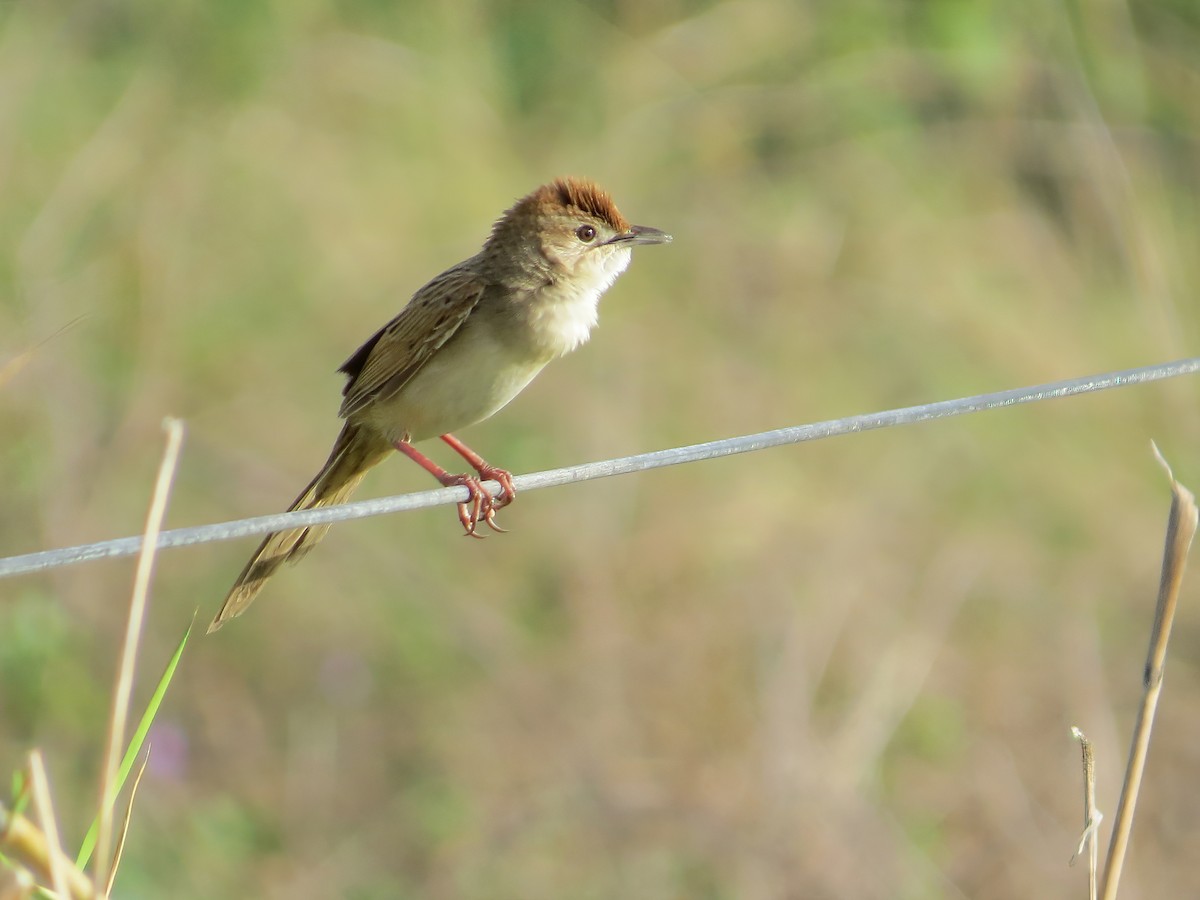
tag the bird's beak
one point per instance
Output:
(640, 234)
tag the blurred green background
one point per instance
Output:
(845, 669)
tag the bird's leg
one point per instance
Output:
(487, 472)
(479, 502)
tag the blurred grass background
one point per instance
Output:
(839, 670)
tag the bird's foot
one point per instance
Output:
(487, 472)
(503, 477)
(505, 496)
(480, 505)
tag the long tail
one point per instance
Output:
(355, 451)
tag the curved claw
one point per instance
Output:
(480, 505)
(490, 518)
(477, 504)
(470, 518)
(470, 532)
(503, 477)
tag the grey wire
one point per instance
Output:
(224, 531)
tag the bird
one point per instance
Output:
(463, 346)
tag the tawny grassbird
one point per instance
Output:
(464, 346)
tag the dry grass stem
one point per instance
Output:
(1092, 817)
(40, 787)
(1181, 528)
(137, 613)
(23, 841)
(112, 875)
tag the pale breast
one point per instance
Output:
(472, 377)
(503, 344)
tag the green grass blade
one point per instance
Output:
(135, 746)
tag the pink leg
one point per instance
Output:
(478, 505)
(487, 472)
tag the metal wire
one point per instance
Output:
(225, 531)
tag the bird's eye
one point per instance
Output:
(585, 233)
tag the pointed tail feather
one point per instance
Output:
(355, 451)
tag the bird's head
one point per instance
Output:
(570, 229)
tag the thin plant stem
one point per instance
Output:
(40, 786)
(1181, 528)
(137, 614)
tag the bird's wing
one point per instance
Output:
(395, 353)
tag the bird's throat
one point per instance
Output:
(561, 315)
